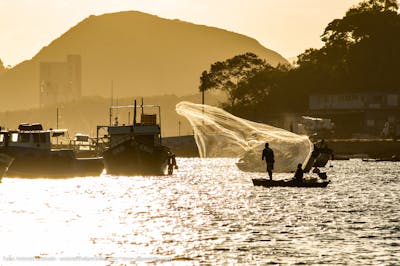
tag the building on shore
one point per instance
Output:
(359, 114)
(60, 81)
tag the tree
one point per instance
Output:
(360, 51)
(368, 20)
(231, 75)
(360, 54)
(2, 68)
(262, 93)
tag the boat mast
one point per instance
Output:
(134, 113)
(159, 122)
(142, 107)
(112, 100)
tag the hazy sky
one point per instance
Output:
(286, 26)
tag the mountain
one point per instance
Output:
(141, 54)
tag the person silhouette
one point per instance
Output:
(172, 164)
(268, 154)
(298, 176)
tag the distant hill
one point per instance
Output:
(142, 54)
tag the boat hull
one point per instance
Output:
(5, 162)
(52, 164)
(132, 158)
(288, 183)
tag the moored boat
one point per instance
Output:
(393, 158)
(135, 149)
(289, 183)
(34, 155)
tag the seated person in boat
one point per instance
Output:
(316, 170)
(298, 176)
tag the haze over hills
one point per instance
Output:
(142, 54)
(83, 115)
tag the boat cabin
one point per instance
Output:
(148, 134)
(29, 136)
(146, 131)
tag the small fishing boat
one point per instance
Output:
(320, 180)
(35, 155)
(393, 158)
(289, 183)
(135, 148)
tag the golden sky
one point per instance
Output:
(286, 26)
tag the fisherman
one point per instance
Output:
(298, 176)
(268, 154)
(172, 164)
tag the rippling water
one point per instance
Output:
(208, 212)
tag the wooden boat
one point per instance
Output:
(35, 156)
(288, 183)
(394, 158)
(319, 157)
(135, 149)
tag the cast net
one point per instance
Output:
(220, 134)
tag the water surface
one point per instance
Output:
(208, 212)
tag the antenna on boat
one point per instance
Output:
(112, 100)
(110, 115)
(112, 92)
(134, 113)
(142, 105)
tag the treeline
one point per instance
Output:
(3, 68)
(361, 53)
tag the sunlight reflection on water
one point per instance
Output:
(207, 212)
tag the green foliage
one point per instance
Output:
(261, 94)
(231, 75)
(2, 68)
(361, 53)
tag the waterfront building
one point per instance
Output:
(359, 114)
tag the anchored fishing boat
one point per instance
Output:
(35, 155)
(135, 149)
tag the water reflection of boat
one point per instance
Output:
(289, 183)
(135, 148)
(35, 156)
(5, 162)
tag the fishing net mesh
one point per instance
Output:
(220, 134)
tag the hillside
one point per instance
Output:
(142, 54)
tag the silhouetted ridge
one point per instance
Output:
(142, 54)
